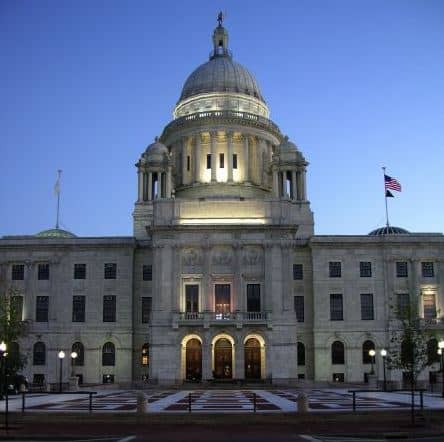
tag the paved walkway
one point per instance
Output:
(219, 401)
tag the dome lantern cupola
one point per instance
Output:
(220, 40)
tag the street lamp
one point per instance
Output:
(3, 354)
(61, 355)
(384, 355)
(441, 347)
(372, 355)
(73, 357)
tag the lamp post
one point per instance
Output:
(73, 357)
(372, 356)
(61, 355)
(441, 347)
(384, 355)
(3, 354)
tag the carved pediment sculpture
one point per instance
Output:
(191, 257)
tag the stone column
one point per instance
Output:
(268, 268)
(168, 183)
(140, 177)
(207, 294)
(304, 185)
(264, 162)
(237, 248)
(161, 178)
(213, 136)
(293, 184)
(176, 277)
(184, 161)
(230, 156)
(283, 182)
(246, 159)
(275, 183)
(197, 157)
(299, 185)
(150, 186)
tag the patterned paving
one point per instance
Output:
(220, 401)
(217, 401)
(328, 400)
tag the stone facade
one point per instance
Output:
(224, 277)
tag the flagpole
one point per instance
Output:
(385, 194)
(59, 172)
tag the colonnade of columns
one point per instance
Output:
(248, 155)
(290, 182)
(154, 183)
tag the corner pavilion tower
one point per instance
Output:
(222, 205)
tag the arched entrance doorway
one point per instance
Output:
(193, 360)
(223, 360)
(252, 359)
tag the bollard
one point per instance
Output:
(421, 399)
(141, 402)
(90, 402)
(23, 402)
(354, 400)
(254, 402)
(302, 403)
(189, 403)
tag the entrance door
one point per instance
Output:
(252, 359)
(193, 360)
(223, 366)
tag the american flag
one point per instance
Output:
(392, 183)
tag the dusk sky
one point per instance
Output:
(86, 85)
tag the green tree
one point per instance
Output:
(409, 350)
(12, 327)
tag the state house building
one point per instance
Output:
(223, 277)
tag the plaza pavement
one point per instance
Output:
(219, 401)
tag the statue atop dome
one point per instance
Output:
(220, 18)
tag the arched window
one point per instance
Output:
(145, 355)
(432, 351)
(301, 353)
(39, 354)
(337, 353)
(79, 361)
(366, 347)
(109, 354)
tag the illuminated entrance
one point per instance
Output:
(252, 359)
(193, 360)
(223, 359)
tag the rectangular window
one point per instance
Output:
(298, 271)
(427, 270)
(221, 160)
(367, 311)
(17, 307)
(336, 307)
(365, 269)
(79, 271)
(109, 308)
(402, 304)
(401, 269)
(334, 268)
(147, 272)
(78, 309)
(43, 272)
(110, 270)
(147, 303)
(299, 308)
(429, 304)
(42, 308)
(209, 161)
(191, 298)
(188, 163)
(222, 301)
(235, 161)
(253, 297)
(18, 272)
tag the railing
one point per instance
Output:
(238, 116)
(224, 316)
